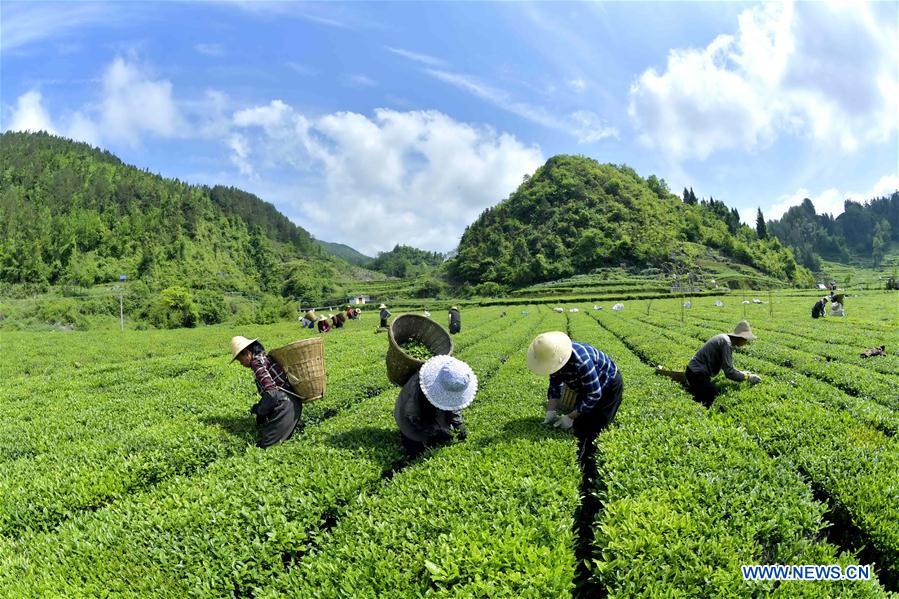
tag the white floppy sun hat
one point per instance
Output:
(238, 344)
(448, 383)
(549, 352)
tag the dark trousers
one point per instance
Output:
(383, 323)
(701, 386)
(589, 424)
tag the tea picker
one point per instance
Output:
(279, 408)
(308, 319)
(587, 372)
(837, 306)
(818, 308)
(323, 325)
(455, 320)
(385, 314)
(435, 386)
(428, 410)
(713, 357)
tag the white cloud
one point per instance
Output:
(424, 59)
(210, 49)
(301, 69)
(577, 84)
(240, 153)
(130, 105)
(25, 23)
(885, 186)
(825, 71)
(589, 128)
(415, 177)
(359, 81)
(828, 201)
(30, 114)
(585, 126)
(134, 104)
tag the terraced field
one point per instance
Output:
(129, 467)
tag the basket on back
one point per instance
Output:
(413, 327)
(304, 363)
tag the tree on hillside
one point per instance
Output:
(760, 228)
(658, 186)
(690, 197)
(880, 242)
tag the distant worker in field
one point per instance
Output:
(818, 308)
(429, 408)
(278, 409)
(385, 314)
(323, 326)
(455, 320)
(836, 306)
(588, 372)
(337, 320)
(351, 313)
(308, 319)
(713, 357)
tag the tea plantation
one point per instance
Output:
(129, 466)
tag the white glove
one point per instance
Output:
(565, 423)
(754, 378)
(550, 417)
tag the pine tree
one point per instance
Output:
(760, 228)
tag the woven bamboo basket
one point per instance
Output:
(304, 363)
(566, 403)
(413, 327)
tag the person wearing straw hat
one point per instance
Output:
(591, 374)
(279, 409)
(385, 314)
(428, 409)
(714, 356)
(455, 320)
(308, 319)
(323, 326)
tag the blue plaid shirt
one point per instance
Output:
(588, 371)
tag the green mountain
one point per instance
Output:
(71, 214)
(575, 215)
(345, 252)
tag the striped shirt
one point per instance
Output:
(269, 374)
(588, 371)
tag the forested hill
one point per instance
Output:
(345, 252)
(406, 261)
(574, 215)
(863, 232)
(73, 214)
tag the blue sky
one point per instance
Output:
(374, 124)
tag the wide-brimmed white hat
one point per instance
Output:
(549, 352)
(382, 306)
(448, 383)
(238, 344)
(322, 318)
(743, 330)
